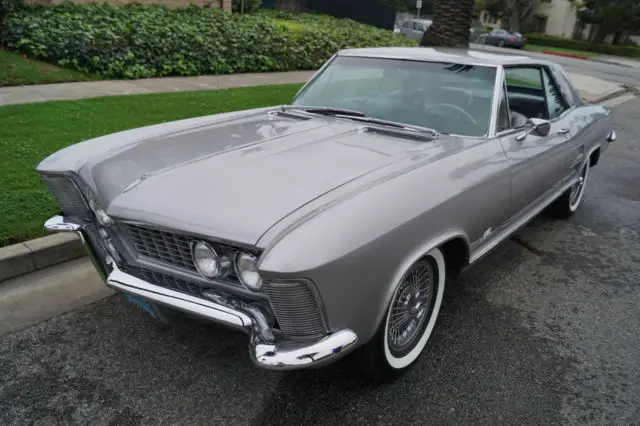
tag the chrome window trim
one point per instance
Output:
(555, 120)
(493, 123)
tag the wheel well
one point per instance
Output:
(456, 254)
(594, 157)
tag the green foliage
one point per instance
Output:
(612, 15)
(138, 41)
(8, 6)
(409, 6)
(563, 43)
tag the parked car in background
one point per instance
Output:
(414, 28)
(331, 224)
(502, 38)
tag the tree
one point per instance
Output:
(451, 24)
(512, 11)
(609, 16)
(409, 6)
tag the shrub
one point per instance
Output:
(137, 41)
(8, 6)
(563, 43)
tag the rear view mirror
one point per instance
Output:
(537, 126)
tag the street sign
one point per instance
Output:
(418, 4)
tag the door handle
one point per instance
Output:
(563, 131)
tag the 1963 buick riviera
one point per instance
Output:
(330, 224)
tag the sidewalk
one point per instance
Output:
(615, 60)
(93, 89)
(591, 88)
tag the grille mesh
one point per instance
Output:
(297, 310)
(67, 195)
(162, 246)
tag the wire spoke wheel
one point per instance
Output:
(576, 190)
(410, 310)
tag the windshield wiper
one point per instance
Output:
(359, 116)
(412, 128)
(325, 110)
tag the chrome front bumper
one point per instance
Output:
(264, 349)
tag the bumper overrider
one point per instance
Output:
(264, 348)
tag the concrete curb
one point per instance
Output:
(40, 253)
(566, 55)
(33, 255)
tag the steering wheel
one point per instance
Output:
(456, 108)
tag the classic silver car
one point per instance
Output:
(331, 224)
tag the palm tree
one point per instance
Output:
(451, 24)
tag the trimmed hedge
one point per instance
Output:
(138, 41)
(563, 43)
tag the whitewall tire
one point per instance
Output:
(409, 320)
(569, 202)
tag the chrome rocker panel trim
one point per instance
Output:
(264, 350)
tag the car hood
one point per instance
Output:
(235, 179)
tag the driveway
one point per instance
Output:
(545, 330)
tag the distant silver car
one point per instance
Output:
(331, 224)
(414, 28)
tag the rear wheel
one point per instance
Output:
(409, 320)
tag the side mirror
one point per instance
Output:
(537, 126)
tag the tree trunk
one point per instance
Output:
(451, 24)
(514, 21)
(600, 35)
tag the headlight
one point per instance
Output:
(247, 271)
(206, 259)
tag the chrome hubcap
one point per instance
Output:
(410, 308)
(578, 187)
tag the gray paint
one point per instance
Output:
(333, 200)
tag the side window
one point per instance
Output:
(525, 94)
(416, 26)
(556, 104)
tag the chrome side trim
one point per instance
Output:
(512, 228)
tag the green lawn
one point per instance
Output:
(16, 70)
(30, 132)
(560, 50)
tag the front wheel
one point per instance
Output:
(409, 320)
(567, 204)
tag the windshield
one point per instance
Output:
(450, 98)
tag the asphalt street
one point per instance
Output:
(605, 71)
(545, 330)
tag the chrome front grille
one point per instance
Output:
(165, 247)
(96, 241)
(297, 310)
(173, 249)
(68, 196)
